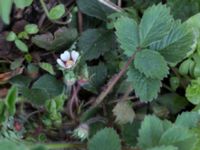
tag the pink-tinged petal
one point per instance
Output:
(61, 63)
(65, 56)
(74, 56)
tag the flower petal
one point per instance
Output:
(65, 56)
(74, 56)
(61, 63)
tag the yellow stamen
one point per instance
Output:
(69, 63)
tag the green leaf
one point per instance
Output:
(130, 132)
(145, 88)
(57, 12)
(124, 113)
(49, 84)
(95, 42)
(164, 148)
(188, 119)
(179, 137)
(176, 44)
(9, 145)
(11, 36)
(47, 67)
(61, 39)
(127, 35)
(35, 96)
(155, 24)
(45, 88)
(11, 99)
(193, 91)
(94, 8)
(21, 45)
(151, 63)
(31, 28)
(174, 102)
(183, 9)
(98, 74)
(150, 132)
(22, 3)
(105, 139)
(5, 10)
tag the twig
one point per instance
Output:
(119, 3)
(80, 22)
(110, 5)
(113, 81)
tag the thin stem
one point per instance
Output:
(113, 81)
(44, 7)
(64, 146)
(110, 5)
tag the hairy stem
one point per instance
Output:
(113, 81)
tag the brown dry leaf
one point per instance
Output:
(8, 75)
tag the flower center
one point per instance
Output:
(69, 63)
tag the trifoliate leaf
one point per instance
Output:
(151, 63)
(95, 42)
(150, 132)
(176, 44)
(180, 137)
(105, 139)
(124, 113)
(145, 88)
(164, 148)
(127, 34)
(193, 91)
(155, 24)
(94, 8)
(47, 67)
(188, 119)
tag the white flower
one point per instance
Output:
(68, 59)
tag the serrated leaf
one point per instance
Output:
(188, 119)
(151, 63)
(193, 91)
(180, 137)
(145, 88)
(47, 67)
(94, 8)
(105, 139)
(150, 132)
(130, 132)
(127, 35)
(155, 24)
(124, 113)
(11, 100)
(176, 44)
(164, 148)
(95, 42)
